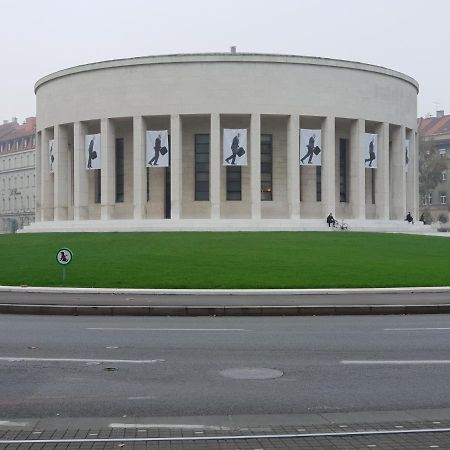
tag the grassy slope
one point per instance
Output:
(227, 260)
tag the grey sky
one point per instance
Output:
(40, 37)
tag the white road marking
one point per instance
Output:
(397, 362)
(150, 397)
(224, 438)
(81, 360)
(166, 329)
(417, 329)
(7, 423)
(168, 425)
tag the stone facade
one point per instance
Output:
(197, 96)
(17, 174)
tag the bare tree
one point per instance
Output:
(431, 166)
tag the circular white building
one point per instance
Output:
(225, 142)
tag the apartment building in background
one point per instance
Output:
(435, 136)
(17, 174)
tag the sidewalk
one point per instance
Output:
(415, 429)
(134, 302)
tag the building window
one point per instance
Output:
(428, 198)
(266, 167)
(442, 152)
(343, 170)
(202, 167)
(318, 184)
(98, 186)
(234, 178)
(120, 172)
(443, 198)
(444, 176)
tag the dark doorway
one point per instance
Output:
(167, 199)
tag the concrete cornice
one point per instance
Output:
(226, 57)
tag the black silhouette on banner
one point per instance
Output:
(92, 153)
(371, 151)
(52, 158)
(310, 140)
(157, 149)
(236, 151)
(312, 149)
(371, 157)
(406, 155)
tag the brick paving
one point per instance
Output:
(412, 441)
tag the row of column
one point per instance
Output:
(390, 172)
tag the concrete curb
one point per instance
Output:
(241, 292)
(221, 311)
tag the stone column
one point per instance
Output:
(415, 154)
(382, 173)
(328, 166)
(46, 180)
(293, 166)
(175, 166)
(398, 197)
(80, 174)
(38, 161)
(412, 187)
(139, 168)
(108, 164)
(61, 173)
(215, 166)
(255, 165)
(357, 169)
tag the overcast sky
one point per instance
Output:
(40, 37)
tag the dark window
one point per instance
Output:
(343, 170)
(266, 167)
(120, 172)
(148, 183)
(98, 186)
(234, 190)
(373, 186)
(202, 167)
(318, 183)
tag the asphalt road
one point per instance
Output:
(136, 299)
(119, 366)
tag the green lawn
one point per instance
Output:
(227, 260)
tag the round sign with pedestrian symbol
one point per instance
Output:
(64, 256)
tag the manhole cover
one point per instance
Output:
(252, 373)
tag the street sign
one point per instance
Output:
(64, 256)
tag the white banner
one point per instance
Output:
(371, 151)
(92, 145)
(234, 147)
(51, 155)
(157, 148)
(310, 147)
(407, 155)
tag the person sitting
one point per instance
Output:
(330, 220)
(409, 218)
(422, 218)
